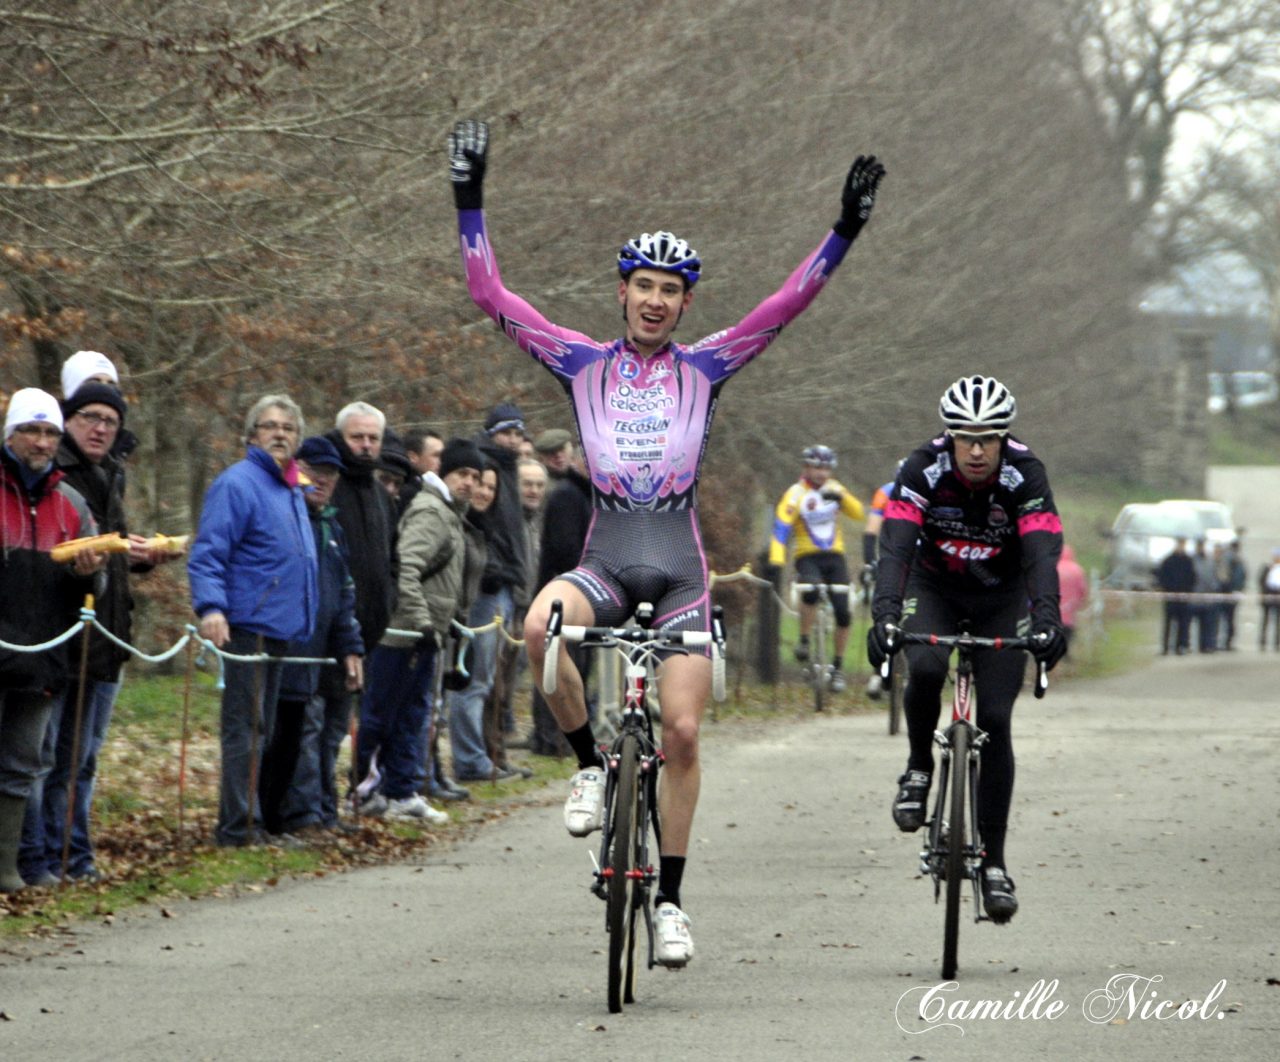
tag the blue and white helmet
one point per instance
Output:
(664, 251)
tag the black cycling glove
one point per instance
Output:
(858, 196)
(879, 645)
(1053, 648)
(468, 144)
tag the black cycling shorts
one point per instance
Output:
(831, 568)
(636, 557)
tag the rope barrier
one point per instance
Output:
(89, 616)
(53, 643)
(743, 574)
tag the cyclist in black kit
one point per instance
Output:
(970, 534)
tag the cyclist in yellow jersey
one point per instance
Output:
(809, 513)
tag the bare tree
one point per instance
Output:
(1243, 218)
(232, 198)
(1146, 67)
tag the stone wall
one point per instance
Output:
(1173, 445)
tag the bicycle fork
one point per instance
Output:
(933, 856)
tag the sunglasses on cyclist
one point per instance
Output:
(969, 438)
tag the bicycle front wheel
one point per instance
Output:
(955, 847)
(621, 864)
(638, 918)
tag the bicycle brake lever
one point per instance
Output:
(886, 665)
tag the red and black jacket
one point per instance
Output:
(38, 598)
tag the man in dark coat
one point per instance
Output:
(1176, 576)
(366, 513)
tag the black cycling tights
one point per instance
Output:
(998, 676)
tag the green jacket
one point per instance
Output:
(432, 553)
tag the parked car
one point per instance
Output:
(1144, 533)
(1246, 389)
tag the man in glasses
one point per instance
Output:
(970, 534)
(39, 600)
(254, 587)
(93, 415)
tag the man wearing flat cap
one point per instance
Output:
(395, 713)
(554, 448)
(299, 789)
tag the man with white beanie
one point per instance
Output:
(87, 366)
(39, 599)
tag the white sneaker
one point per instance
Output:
(584, 810)
(838, 684)
(415, 809)
(671, 928)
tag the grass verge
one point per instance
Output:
(153, 838)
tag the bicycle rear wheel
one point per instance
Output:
(955, 848)
(621, 884)
(897, 687)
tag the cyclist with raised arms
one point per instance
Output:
(971, 535)
(643, 406)
(810, 511)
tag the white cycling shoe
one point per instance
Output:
(584, 810)
(671, 930)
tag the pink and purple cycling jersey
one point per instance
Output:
(643, 422)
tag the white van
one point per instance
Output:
(1144, 533)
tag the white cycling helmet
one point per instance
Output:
(977, 402)
(819, 456)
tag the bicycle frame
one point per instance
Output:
(632, 762)
(818, 671)
(953, 851)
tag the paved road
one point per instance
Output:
(1143, 843)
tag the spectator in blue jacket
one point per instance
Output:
(295, 776)
(253, 585)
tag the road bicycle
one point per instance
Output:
(817, 670)
(953, 851)
(624, 874)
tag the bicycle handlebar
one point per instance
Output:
(965, 641)
(831, 588)
(641, 637)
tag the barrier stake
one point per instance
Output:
(255, 725)
(73, 768)
(182, 743)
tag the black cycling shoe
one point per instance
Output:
(800, 651)
(908, 805)
(997, 895)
